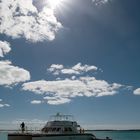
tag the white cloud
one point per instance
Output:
(10, 74)
(73, 77)
(4, 48)
(55, 68)
(63, 91)
(77, 69)
(7, 105)
(36, 102)
(3, 105)
(20, 18)
(99, 2)
(69, 71)
(56, 100)
(85, 68)
(137, 91)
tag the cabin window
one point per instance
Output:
(58, 129)
(65, 129)
(45, 129)
(50, 129)
(68, 129)
(53, 129)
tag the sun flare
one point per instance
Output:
(55, 3)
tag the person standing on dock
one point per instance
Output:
(22, 125)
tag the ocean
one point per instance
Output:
(118, 135)
(114, 135)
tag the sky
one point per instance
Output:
(78, 57)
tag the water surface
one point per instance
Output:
(118, 135)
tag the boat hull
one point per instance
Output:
(64, 137)
(52, 137)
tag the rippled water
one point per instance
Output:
(118, 135)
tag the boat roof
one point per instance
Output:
(61, 117)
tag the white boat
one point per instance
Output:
(61, 124)
(59, 127)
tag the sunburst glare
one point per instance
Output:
(55, 3)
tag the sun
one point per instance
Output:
(55, 3)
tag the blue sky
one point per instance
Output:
(75, 57)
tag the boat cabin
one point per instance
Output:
(61, 124)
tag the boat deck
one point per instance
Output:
(40, 136)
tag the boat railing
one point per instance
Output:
(61, 117)
(11, 127)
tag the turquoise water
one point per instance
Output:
(114, 135)
(3, 136)
(118, 135)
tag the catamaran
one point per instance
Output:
(59, 127)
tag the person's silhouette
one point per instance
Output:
(22, 125)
